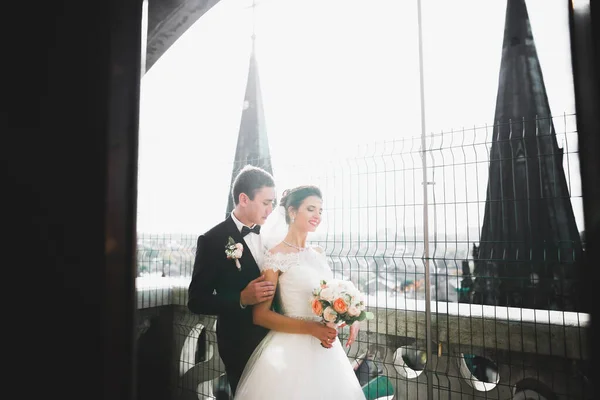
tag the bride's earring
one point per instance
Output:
(293, 219)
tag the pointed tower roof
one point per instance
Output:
(529, 225)
(252, 144)
(521, 89)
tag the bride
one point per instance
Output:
(300, 358)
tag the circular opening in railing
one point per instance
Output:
(532, 389)
(196, 349)
(204, 390)
(481, 373)
(409, 361)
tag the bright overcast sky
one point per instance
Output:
(334, 74)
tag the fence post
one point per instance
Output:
(425, 214)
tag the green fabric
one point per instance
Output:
(378, 387)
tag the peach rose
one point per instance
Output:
(340, 306)
(353, 311)
(329, 315)
(317, 307)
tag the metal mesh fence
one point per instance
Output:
(504, 246)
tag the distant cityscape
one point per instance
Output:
(387, 264)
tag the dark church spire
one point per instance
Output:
(252, 144)
(529, 238)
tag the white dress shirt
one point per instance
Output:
(253, 241)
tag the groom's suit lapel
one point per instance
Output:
(247, 261)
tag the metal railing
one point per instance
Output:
(500, 323)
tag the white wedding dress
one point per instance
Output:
(295, 366)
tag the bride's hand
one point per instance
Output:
(324, 333)
(354, 328)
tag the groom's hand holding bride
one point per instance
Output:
(257, 291)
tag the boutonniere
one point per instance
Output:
(233, 251)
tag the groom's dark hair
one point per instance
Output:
(249, 180)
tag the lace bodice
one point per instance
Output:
(300, 274)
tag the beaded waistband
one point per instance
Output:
(305, 317)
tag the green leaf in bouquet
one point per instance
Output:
(362, 316)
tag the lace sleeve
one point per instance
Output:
(280, 262)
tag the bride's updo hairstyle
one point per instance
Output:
(294, 197)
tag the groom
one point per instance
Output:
(229, 287)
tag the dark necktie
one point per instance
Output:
(246, 230)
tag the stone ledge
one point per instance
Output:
(467, 331)
(464, 326)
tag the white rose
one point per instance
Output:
(237, 253)
(329, 314)
(327, 294)
(353, 311)
(346, 286)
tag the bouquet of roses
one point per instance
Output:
(339, 302)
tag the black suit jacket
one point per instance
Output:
(215, 290)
